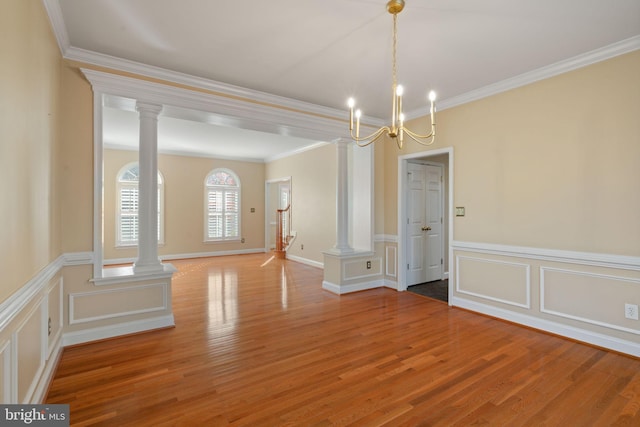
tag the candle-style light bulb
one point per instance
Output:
(358, 114)
(351, 102)
(399, 90)
(432, 98)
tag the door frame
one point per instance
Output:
(402, 211)
(440, 166)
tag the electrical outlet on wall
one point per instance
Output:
(631, 311)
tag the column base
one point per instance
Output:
(352, 271)
(154, 267)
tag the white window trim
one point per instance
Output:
(238, 188)
(130, 244)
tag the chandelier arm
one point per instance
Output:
(420, 139)
(364, 144)
(370, 138)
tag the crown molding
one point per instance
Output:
(579, 61)
(57, 24)
(233, 112)
(73, 53)
(109, 146)
(112, 62)
(85, 56)
(296, 151)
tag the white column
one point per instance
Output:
(148, 260)
(342, 198)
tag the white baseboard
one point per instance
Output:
(391, 284)
(356, 287)
(306, 261)
(600, 340)
(111, 331)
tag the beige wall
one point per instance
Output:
(550, 165)
(549, 176)
(313, 199)
(29, 116)
(76, 161)
(184, 209)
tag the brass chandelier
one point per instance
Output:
(397, 130)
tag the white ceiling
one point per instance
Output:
(196, 133)
(322, 52)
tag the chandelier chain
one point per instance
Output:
(395, 43)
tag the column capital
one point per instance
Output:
(148, 109)
(342, 141)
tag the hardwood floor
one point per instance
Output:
(259, 343)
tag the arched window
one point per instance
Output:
(127, 225)
(222, 205)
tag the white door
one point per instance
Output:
(424, 223)
(433, 220)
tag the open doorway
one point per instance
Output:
(277, 196)
(425, 222)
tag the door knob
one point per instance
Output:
(426, 228)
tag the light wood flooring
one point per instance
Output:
(259, 343)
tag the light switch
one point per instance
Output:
(253, 210)
(459, 211)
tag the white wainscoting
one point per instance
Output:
(391, 261)
(97, 305)
(124, 328)
(55, 298)
(574, 294)
(32, 334)
(5, 374)
(568, 293)
(496, 280)
(29, 350)
(354, 270)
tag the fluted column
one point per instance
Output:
(342, 198)
(148, 260)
